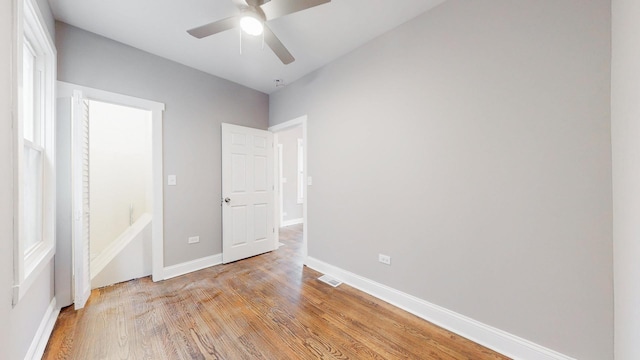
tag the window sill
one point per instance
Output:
(35, 262)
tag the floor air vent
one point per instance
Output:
(329, 280)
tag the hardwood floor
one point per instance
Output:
(265, 307)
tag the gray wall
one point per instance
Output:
(625, 134)
(472, 145)
(196, 105)
(289, 140)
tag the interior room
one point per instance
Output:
(463, 174)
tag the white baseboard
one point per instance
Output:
(191, 266)
(40, 340)
(292, 222)
(495, 339)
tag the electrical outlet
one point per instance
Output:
(385, 259)
(194, 239)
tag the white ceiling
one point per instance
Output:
(314, 36)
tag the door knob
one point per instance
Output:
(227, 200)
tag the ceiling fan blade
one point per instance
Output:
(276, 8)
(276, 45)
(214, 27)
(240, 3)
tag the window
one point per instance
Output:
(33, 151)
(35, 193)
(300, 171)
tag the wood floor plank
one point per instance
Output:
(265, 307)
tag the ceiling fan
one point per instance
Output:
(252, 20)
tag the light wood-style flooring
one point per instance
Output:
(266, 307)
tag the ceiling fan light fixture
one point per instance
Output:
(250, 24)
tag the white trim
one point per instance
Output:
(280, 182)
(191, 266)
(156, 108)
(302, 120)
(299, 121)
(277, 195)
(157, 227)
(42, 27)
(292, 222)
(300, 190)
(495, 339)
(41, 338)
(110, 97)
(30, 23)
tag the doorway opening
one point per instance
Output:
(291, 173)
(73, 255)
(291, 179)
(120, 192)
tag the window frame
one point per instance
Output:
(30, 25)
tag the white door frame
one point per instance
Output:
(156, 109)
(280, 203)
(299, 121)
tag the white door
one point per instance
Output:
(80, 180)
(247, 192)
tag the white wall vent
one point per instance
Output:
(329, 280)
